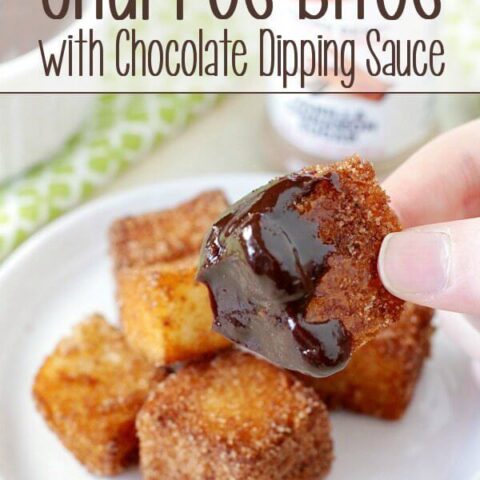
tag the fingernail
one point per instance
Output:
(415, 262)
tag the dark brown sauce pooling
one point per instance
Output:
(261, 262)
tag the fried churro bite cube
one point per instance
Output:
(381, 377)
(234, 417)
(165, 312)
(292, 267)
(167, 235)
(90, 389)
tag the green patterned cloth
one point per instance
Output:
(121, 129)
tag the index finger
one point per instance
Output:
(440, 182)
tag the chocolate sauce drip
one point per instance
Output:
(261, 263)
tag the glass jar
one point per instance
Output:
(326, 123)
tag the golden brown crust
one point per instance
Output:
(381, 377)
(165, 312)
(89, 391)
(355, 218)
(234, 417)
(165, 236)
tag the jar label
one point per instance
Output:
(335, 126)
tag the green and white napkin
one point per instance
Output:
(121, 130)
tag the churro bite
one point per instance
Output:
(165, 312)
(90, 389)
(234, 417)
(381, 378)
(292, 267)
(167, 235)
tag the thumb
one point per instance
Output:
(435, 265)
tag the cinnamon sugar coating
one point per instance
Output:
(89, 390)
(355, 218)
(381, 377)
(165, 312)
(234, 417)
(166, 235)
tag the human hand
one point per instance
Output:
(436, 260)
(436, 193)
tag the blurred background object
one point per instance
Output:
(34, 127)
(307, 129)
(462, 35)
(368, 116)
(15, 41)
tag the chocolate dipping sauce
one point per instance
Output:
(261, 263)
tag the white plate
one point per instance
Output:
(63, 274)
